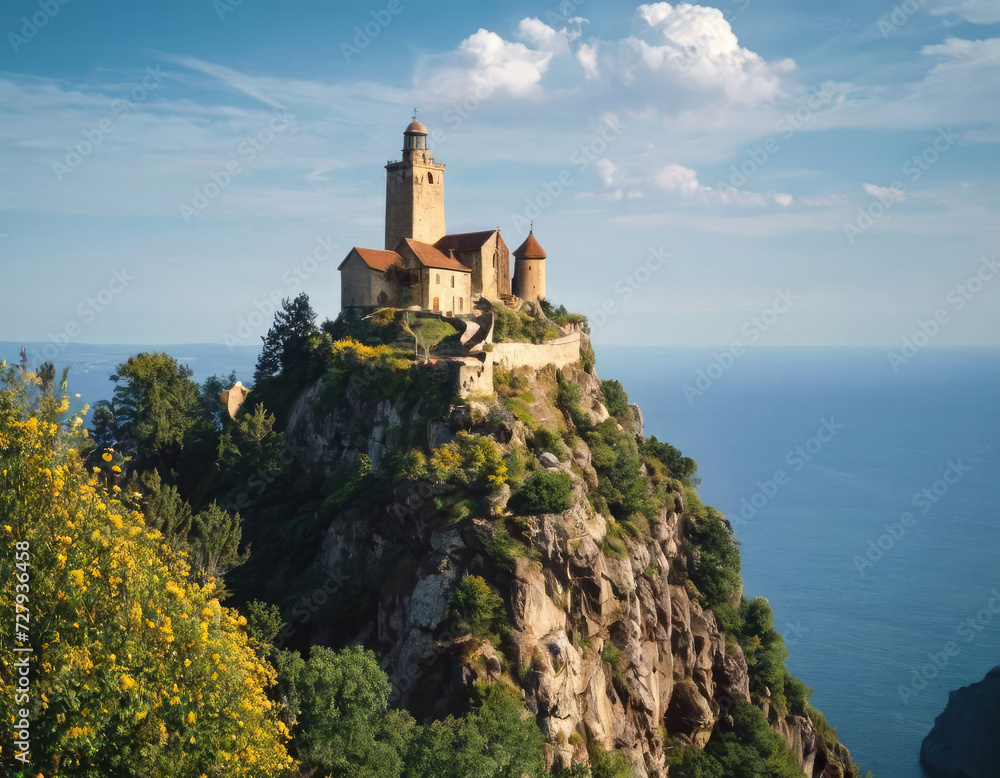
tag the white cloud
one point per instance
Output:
(960, 88)
(688, 49)
(485, 64)
(684, 181)
(975, 11)
(545, 38)
(586, 54)
(884, 193)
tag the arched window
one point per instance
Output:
(437, 305)
(430, 178)
(495, 255)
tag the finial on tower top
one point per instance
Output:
(414, 114)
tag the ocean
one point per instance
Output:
(866, 502)
(867, 505)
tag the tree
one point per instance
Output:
(211, 407)
(166, 511)
(681, 467)
(615, 397)
(285, 365)
(136, 670)
(345, 726)
(215, 542)
(156, 406)
(286, 342)
(427, 333)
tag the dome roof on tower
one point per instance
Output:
(530, 249)
(415, 128)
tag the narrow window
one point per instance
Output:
(430, 178)
(437, 278)
(437, 305)
(453, 282)
(461, 303)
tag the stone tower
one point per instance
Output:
(414, 192)
(529, 270)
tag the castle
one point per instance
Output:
(422, 266)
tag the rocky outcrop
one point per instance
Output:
(963, 742)
(606, 650)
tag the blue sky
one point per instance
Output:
(168, 169)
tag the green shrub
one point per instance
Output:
(715, 568)
(680, 467)
(502, 548)
(545, 492)
(615, 398)
(478, 608)
(613, 544)
(568, 400)
(608, 764)
(752, 749)
(543, 439)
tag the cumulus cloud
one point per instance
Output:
(684, 181)
(546, 38)
(688, 48)
(884, 193)
(975, 11)
(486, 64)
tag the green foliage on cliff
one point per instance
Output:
(479, 609)
(715, 565)
(680, 467)
(345, 727)
(520, 327)
(545, 492)
(467, 460)
(751, 749)
(615, 398)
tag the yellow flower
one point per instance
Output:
(7, 527)
(106, 456)
(115, 468)
(77, 576)
(127, 682)
(190, 719)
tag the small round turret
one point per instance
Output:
(529, 270)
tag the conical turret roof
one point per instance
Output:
(530, 249)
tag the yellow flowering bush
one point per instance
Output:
(135, 670)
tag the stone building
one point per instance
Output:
(423, 266)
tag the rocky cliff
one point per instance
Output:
(607, 640)
(963, 742)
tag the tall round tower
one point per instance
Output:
(529, 270)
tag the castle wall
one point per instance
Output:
(560, 352)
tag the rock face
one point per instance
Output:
(963, 742)
(606, 650)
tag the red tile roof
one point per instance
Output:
(429, 256)
(530, 249)
(376, 259)
(464, 241)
